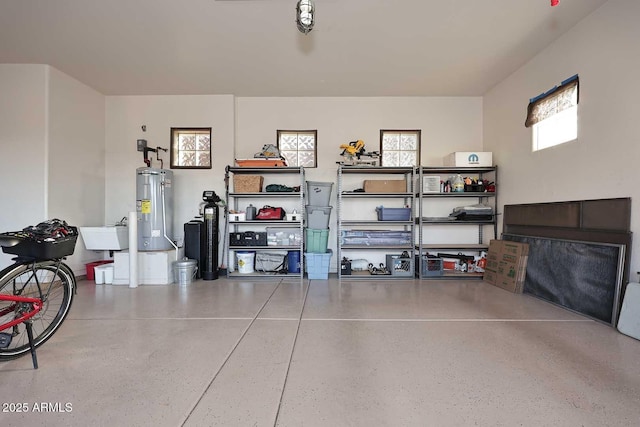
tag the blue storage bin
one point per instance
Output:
(393, 214)
(317, 265)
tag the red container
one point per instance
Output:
(260, 163)
(449, 265)
(92, 265)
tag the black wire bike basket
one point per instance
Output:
(48, 240)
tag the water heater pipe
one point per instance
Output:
(164, 220)
(133, 249)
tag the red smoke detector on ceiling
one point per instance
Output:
(555, 2)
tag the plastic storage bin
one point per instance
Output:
(393, 214)
(104, 274)
(318, 265)
(284, 236)
(400, 266)
(92, 265)
(431, 184)
(318, 216)
(376, 237)
(319, 193)
(431, 266)
(293, 262)
(317, 240)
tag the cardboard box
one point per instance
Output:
(490, 277)
(385, 186)
(495, 247)
(239, 216)
(507, 265)
(493, 255)
(247, 183)
(469, 159)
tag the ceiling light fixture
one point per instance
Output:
(305, 14)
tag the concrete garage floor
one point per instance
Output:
(325, 353)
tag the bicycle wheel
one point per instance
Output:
(57, 285)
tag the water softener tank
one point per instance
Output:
(212, 235)
(154, 207)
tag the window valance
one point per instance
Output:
(554, 101)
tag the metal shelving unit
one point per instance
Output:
(347, 197)
(267, 198)
(481, 244)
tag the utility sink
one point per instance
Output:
(107, 238)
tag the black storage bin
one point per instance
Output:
(195, 244)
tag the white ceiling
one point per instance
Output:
(253, 48)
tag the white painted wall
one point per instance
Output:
(52, 140)
(603, 162)
(448, 124)
(125, 116)
(76, 171)
(23, 142)
(241, 126)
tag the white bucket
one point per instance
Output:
(98, 274)
(245, 262)
(185, 271)
(103, 274)
(108, 274)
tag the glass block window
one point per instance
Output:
(190, 148)
(299, 147)
(400, 147)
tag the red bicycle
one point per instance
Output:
(36, 291)
(23, 309)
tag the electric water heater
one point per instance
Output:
(154, 207)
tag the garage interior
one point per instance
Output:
(82, 82)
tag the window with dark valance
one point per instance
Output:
(554, 101)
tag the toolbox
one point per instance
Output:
(248, 238)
